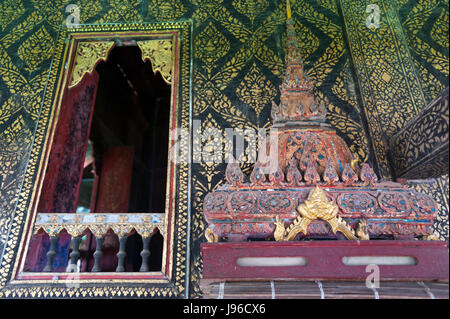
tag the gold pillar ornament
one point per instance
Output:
(89, 53)
(159, 52)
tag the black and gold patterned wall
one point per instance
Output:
(238, 62)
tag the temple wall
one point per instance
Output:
(238, 61)
(425, 26)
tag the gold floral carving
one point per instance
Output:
(89, 53)
(98, 230)
(122, 229)
(159, 52)
(317, 206)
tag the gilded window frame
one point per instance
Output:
(172, 282)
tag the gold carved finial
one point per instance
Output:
(432, 236)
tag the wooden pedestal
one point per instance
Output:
(324, 261)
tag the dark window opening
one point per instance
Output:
(130, 122)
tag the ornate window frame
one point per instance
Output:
(172, 280)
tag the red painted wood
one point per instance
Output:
(115, 180)
(35, 253)
(65, 167)
(62, 179)
(325, 260)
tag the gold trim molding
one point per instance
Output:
(144, 224)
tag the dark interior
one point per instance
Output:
(132, 109)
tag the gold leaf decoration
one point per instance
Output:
(439, 32)
(51, 11)
(88, 55)
(204, 9)
(255, 90)
(250, 8)
(212, 45)
(88, 9)
(159, 52)
(165, 10)
(16, 137)
(122, 10)
(10, 10)
(36, 49)
(329, 4)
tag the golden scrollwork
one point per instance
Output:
(89, 53)
(159, 52)
(317, 206)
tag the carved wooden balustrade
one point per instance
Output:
(76, 225)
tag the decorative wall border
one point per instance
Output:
(172, 283)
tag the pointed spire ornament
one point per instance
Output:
(288, 9)
(348, 176)
(257, 177)
(293, 175)
(277, 177)
(311, 176)
(367, 175)
(297, 100)
(329, 176)
(233, 173)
